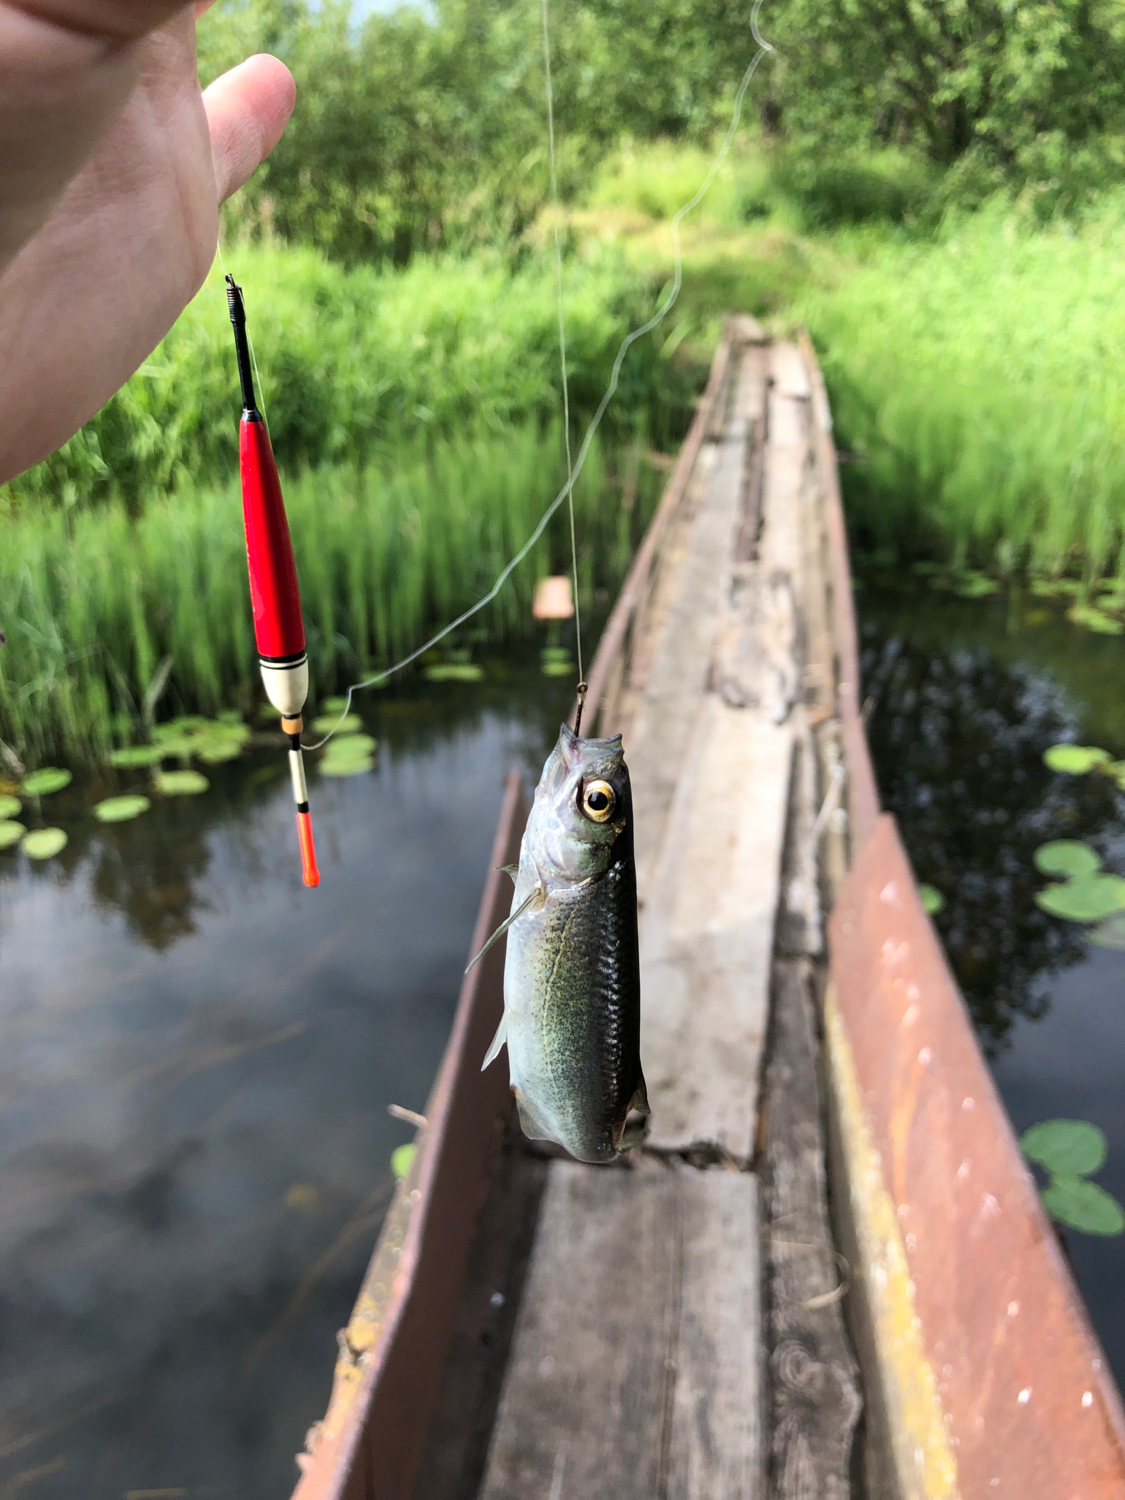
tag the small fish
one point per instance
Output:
(572, 989)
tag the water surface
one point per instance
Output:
(196, 1055)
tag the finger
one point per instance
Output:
(247, 109)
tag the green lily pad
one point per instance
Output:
(349, 767)
(972, 585)
(121, 809)
(1067, 1148)
(932, 899)
(402, 1159)
(1083, 1205)
(351, 747)
(1066, 857)
(136, 755)
(454, 671)
(215, 751)
(180, 783)
(42, 843)
(1076, 759)
(558, 669)
(333, 706)
(555, 653)
(9, 806)
(1094, 619)
(1087, 898)
(1110, 933)
(327, 723)
(231, 716)
(10, 833)
(49, 779)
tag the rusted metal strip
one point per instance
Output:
(393, 1349)
(863, 793)
(983, 1338)
(612, 644)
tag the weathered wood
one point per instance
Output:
(635, 1367)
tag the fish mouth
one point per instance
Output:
(577, 749)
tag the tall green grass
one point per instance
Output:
(979, 378)
(353, 362)
(101, 607)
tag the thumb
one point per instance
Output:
(247, 109)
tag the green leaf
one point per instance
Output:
(49, 779)
(1088, 898)
(972, 585)
(454, 671)
(1075, 759)
(1110, 934)
(232, 717)
(555, 653)
(213, 752)
(10, 833)
(1067, 1148)
(44, 842)
(121, 809)
(136, 755)
(558, 669)
(1066, 857)
(180, 783)
(348, 767)
(1083, 1205)
(1094, 619)
(351, 747)
(333, 706)
(326, 723)
(9, 806)
(932, 899)
(402, 1159)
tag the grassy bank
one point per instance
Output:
(110, 616)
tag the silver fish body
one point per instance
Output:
(572, 974)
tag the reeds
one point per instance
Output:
(110, 617)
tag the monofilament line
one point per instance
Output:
(562, 324)
(610, 391)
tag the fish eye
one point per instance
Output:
(597, 800)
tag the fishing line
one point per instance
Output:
(610, 391)
(562, 348)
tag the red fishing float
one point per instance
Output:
(274, 595)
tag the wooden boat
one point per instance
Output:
(827, 1272)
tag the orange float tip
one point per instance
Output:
(308, 849)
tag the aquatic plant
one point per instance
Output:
(44, 843)
(1071, 1151)
(111, 617)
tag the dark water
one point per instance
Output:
(196, 1055)
(966, 696)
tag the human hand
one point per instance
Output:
(112, 168)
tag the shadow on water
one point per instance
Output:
(965, 696)
(196, 1056)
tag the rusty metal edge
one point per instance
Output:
(613, 636)
(863, 791)
(337, 1466)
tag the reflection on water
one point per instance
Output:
(965, 698)
(196, 1055)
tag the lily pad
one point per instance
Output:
(9, 806)
(10, 833)
(180, 783)
(231, 716)
(215, 751)
(121, 809)
(1110, 933)
(49, 779)
(1076, 759)
(972, 585)
(1094, 619)
(333, 706)
(348, 767)
(555, 653)
(327, 723)
(558, 669)
(932, 899)
(42, 843)
(351, 747)
(402, 1159)
(1087, 898)
(136, 755)
(454, 671)
(1066, 857)
(1083, 1205)
(1067, 1148)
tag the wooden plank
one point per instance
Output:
(392, 1351)
(635, 1366)
(707, 932)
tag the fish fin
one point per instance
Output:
(639, 1101)
(530, 1123)
(497, 1042)
(512, 870)
(502, 929)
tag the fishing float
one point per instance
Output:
(279, 629)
